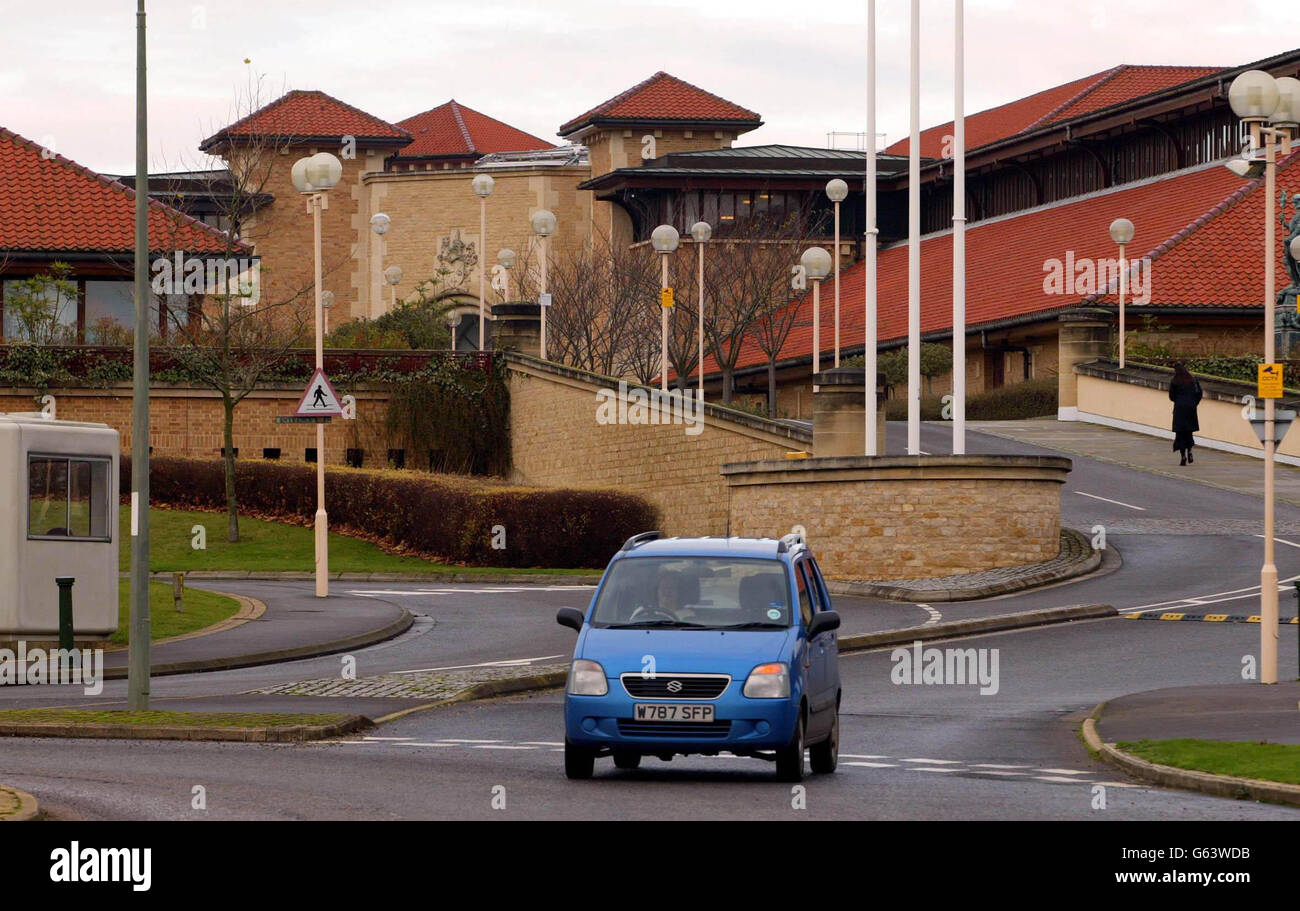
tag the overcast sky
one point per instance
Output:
(67, 75)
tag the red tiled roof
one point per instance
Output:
(665, 97)
(1056, 105)
(301, 114)
(453, 129)
(1202, 230)
(48, 203)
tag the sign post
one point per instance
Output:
(318, 404)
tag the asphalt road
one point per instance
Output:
(908, 752)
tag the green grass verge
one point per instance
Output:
(201, 609)
(274, 547)
(163, 719)
(1263, 761)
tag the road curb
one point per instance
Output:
(1025, 620)
(439, 578)
(1186, 779)
(28, 807)
(956, 628)
(296, 733)
(1089, 561)
(361, 640)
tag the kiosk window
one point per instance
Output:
(68, 498)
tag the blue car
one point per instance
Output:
(701, 647)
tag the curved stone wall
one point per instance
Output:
(912, 517)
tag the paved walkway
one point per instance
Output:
(1238, 713)
(1224, 470)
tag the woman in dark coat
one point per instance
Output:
(1185, 393)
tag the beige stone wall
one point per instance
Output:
(187, 422)
(612, 148)
(557, 441)
(900, 518)
(427, 207)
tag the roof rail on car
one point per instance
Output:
(637, 540)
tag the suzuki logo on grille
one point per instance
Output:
(674, 686)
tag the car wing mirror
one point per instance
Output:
(570, 617)
(825, 622)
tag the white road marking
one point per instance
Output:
(458, 741)
(935, 616)
(542, 743)
(935, 761)
(1238, 594)
(1062, 771)
(852, 756)
(994, 765)
(511, 662)
(1092, 496)
(1280, 541)
(942, 771)
(872, 765)
(1058, 779)
(996, 772)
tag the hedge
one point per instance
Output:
(441, 517)
(1032, 399)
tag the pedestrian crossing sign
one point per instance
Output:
(1270, 381)
(320, 399)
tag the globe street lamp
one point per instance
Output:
(1121, 232)
(1270, 108)
(483, 186)
(393, 275)
(837, 191)
(314, 176)
(701, 233)
(816, 264)
(543, 223)
(380, 224)
(665, 241)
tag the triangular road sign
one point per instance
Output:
(320, 400)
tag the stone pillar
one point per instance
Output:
(839, 414)
(517, 327)
(1085, 335)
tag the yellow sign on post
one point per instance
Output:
(1270, 381)
(667, 299)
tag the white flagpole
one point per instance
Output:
(914, 244)
(959, 241)
(873, 443)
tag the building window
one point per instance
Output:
(223, 452)
(68, 498)
(397, 458)
(309, 454)
(271, 454)
(354, 458)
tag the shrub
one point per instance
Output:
(1033, 399)
(441, 517)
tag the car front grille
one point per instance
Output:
(713, 730)
(675, 686)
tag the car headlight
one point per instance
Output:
(587, 678)
(768, 681)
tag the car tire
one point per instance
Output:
(579, 762)
(825, 756)
(789, 759)
(627, 760)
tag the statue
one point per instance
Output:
(1293, 231)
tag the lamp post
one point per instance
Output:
(507, 260)
(1121, 232)
(665, 241)
(543, 222)
(453, 321)
(914, 239)
(1270, 108)
(816, 264)
(959, 232)
(701, 232)
(483, 186)
(314, 176)
(837, 191)
(380, 224)
(393, 275)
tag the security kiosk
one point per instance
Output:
(59, 487)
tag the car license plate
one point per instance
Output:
(689, 714)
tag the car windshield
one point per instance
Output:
(696, 593)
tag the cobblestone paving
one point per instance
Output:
(1073, 550)
(431, 685)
